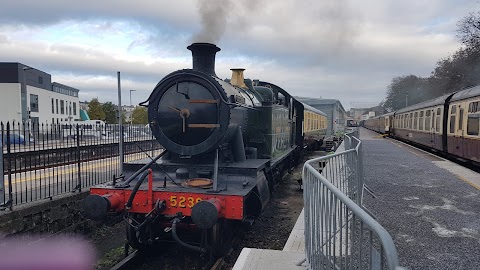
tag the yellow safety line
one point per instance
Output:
(63, 171)
(467, 181)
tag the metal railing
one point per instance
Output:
(339, 234)
(43, 161)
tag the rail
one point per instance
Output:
(339, 233)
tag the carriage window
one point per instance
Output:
(427, 119)
(473, 107)
(415, 121)
(437, 120)
(452, 124)
(473, 124)
(420, 121)
(453, 110)
(410, 125)
(460, 119)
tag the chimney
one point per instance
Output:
(237, 77)
(203, 55)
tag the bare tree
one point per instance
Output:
(468, 31)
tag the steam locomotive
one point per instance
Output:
(225, 141)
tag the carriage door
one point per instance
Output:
(453, 138)
(432, 127)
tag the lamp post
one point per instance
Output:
(131, 105)
(23, 97)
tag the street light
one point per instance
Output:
(23, 98)
(131, 120)
(23, 95)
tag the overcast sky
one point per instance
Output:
(342, 49)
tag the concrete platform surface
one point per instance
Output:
(296, 240)
(253, 259)
(429, 205)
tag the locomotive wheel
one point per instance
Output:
(220, 238)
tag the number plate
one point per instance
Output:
(183, 202)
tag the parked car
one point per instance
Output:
(16, 139)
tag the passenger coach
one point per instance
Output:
(314, 127)
(450, 124)
(381, 124)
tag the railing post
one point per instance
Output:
(359, 154)
(79, 174)
(2, 180)
(9, 170)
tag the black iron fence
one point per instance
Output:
(45, 160)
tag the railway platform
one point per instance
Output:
(429, 205)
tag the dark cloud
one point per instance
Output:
(52, 11)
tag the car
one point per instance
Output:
(115, 135)
(17, 139)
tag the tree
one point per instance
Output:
(124, 118)
(95, 111)
(468, 31)
(406, 90)
(110, 111)
(453, 73)
(140, 115)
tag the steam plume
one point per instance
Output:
(213, 15)
(217, 15)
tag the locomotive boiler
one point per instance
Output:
(225, 142)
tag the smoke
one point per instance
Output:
(217, 15)
(214, 14)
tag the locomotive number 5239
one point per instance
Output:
(183, 202)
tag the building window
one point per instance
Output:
(40, 80)
(62, 107)
(74, 108)
(70, 108)
(33, 103)
(53, 106)
(56, 101)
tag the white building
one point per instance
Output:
(28, 95)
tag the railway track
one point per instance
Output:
(131, 260)
(135, 259)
